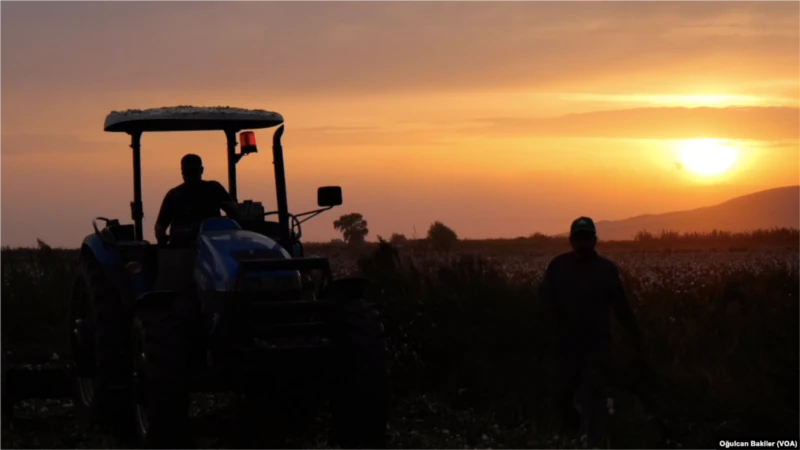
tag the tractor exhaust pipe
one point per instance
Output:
(280, 189)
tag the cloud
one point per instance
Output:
(752, 123)
(291, 49)
(24, 143)
(366, 136)
(336, 129)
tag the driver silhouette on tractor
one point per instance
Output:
(187, 205)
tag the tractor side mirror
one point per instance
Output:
(329, 196)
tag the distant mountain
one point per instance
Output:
(778, 207)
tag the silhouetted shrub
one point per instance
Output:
(442, 237)
(398, 239)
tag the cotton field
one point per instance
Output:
(472, 365)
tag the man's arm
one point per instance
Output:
(226, 202)
(622, 308)
(164, 219)
(547, 290)
(549, 306)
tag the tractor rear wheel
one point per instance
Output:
(98, 348)
(161, 348)
(360, 392)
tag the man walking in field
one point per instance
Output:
(580, 288)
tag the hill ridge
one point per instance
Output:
(770, 208)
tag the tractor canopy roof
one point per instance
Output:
(190, 118)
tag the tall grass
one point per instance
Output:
(35, 290)
(462, 329)
(467, 329)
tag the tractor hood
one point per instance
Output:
(219, 253)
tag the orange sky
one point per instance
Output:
(499, 119)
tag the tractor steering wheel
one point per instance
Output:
(295, 224)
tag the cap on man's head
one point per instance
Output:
(583, 225)
(191, 161)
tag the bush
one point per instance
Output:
(398, 239)
(442, 237)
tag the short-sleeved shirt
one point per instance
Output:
(190, 203)
(583, 292)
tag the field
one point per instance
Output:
(472, 355)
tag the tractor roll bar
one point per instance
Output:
(280, 179)
(230, 136)
(137, 210)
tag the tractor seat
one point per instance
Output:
(124, 237)
(119, 233)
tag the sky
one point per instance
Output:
(498, 119)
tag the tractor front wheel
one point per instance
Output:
(98, 348)
(360, 391)
(160, 353)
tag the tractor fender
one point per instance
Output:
(102, 252)
(349, 288)
(95, 248)
(109, 260)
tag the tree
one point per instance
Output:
(398, 239)
(353, 228)
(442, 237)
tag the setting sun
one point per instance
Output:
(707, 156)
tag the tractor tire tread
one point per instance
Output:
(360, 404)
(110, 406)
(164, 338)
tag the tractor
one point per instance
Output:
(223, 306)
